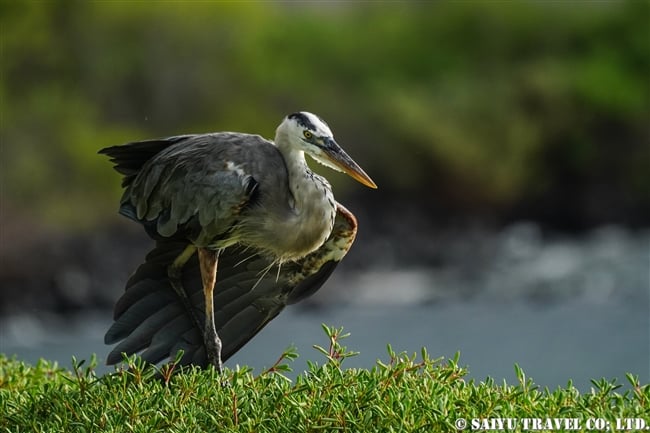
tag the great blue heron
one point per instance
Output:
(233, 203)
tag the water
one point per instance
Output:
(577, 341)
(562, 308)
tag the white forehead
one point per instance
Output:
(310, 121)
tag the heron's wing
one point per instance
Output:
(192, 185)
(130, 158)
(151, 320)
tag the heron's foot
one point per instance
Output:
(213, 349)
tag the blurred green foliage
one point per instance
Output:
(532, 109)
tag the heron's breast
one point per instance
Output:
(290, 233)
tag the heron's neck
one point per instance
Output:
(302, 182)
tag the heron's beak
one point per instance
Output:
(340, 160)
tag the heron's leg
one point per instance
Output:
(175, 273)
(208, 260)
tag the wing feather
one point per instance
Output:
(191, 183)
(246, 297)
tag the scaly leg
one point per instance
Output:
(208, 261)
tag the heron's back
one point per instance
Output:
(220, 189)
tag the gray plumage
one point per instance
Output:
(150, 318)
(250, 204)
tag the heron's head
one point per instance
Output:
(309, 133)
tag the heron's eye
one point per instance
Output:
(308, 135)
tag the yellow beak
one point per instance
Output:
(341, 160)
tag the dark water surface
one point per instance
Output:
(563, 308)
(576, 341)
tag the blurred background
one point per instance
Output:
(510, 143)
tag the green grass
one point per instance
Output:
(402, 393)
